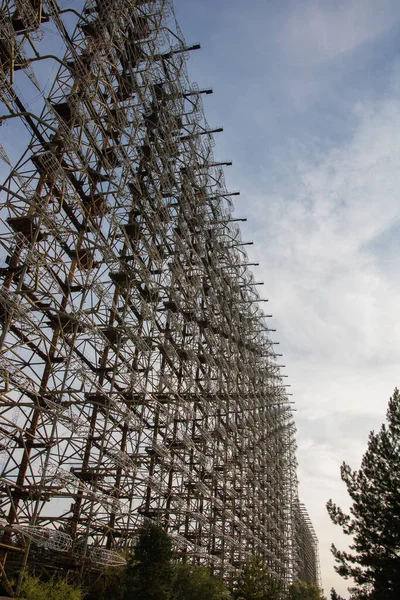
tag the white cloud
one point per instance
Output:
(319, 263)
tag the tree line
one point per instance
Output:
(154, 573)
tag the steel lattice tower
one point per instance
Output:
(307, 567)
(138, 378)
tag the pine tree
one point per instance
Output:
(255, 582)
(149, 573)
(301, 590)
(374, 519)
(335, 595)
(197, 583)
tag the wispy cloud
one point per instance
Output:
(319, 238)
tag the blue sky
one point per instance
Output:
(308, 92)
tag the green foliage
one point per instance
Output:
(150, 571)
(300, 590)
(255, 582)
(152, 575)
(374, 519)
(148, 574)
(335, 595)
(197, 583)
(33, 588)
(111, 584)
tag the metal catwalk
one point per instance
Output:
(138, 378)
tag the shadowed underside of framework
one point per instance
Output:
(138, 379)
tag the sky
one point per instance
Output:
(308, 93)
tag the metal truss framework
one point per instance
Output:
(307, 566)
(138, 378)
